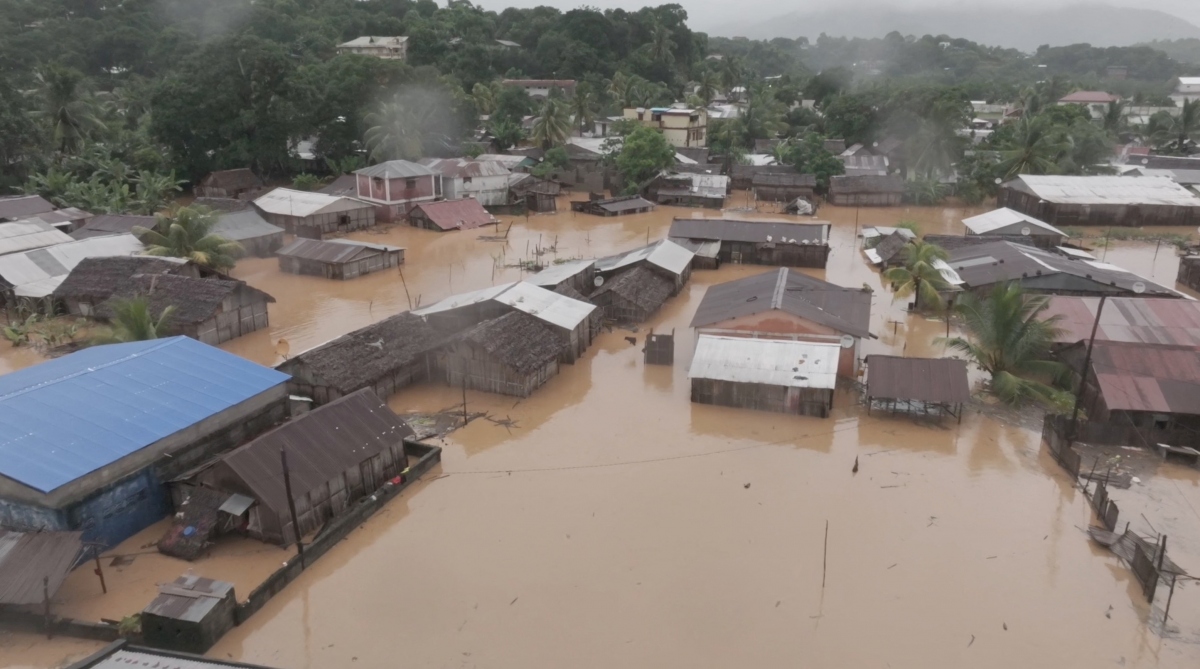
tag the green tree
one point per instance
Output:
(583, 106)
(917, 275)
(506, 133)
(706, 86)
(1034, 149)
(155, 190)
(809, 156)
(555, 160)
(394, 130)
(644, 154)
(65, 107)
(187, 233)
(133, 320)
(1114, 117)
(305, 181)
(553, 125)
(485, 97)
(1010, 340)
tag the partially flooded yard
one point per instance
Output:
(614, 522)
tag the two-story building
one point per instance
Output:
(683, 127)
(1188, 88)
(540, 88)
(395, 187)
(387, 48)
(482, 180)
(1096, 102)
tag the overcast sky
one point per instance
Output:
(711, 15)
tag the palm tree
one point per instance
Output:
(506, 133)
(1114, 117)
(706, 87)
(187, 233)
(70, 113)
(395, 129)
(132, 320)
(1186, 126)
(155, 190)
(662, 47)
(1035, 150)
(582, 106)
(1011, 342)
(762, 117)
(553, 126)
(918, 276)
(618, 88)
(731, 75)
(484, 97)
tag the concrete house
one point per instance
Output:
(1095, 102)
(395, 187)
(93, 435)
(338, 259)
(314, 215)
(795, 377)
(680, 126)
(786, 304)
(386, 48)
(484, 181)
(540, 88)
(1188, 88)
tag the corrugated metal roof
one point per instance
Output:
(70, 416)
(546, 305)
(1005, 221)
(986, 264)
(244, 224)
(374, 41)
(700, 247)
(1127, 319)
(665, 254)
(464, 214)
(886, 231)
(320, 445)
(934, 380)
(203, 595)
(1090, 97)
(756, 232)
(111, 224)
(464, 299)
(556, 274)
(38, 272)
(618, 205)
(23, 206)
(846, 310)
(27, 558)
(1107, 190)
(1160, 379)
(396, 169)
(333, 251)
(795, 364)
(459, 168)
(288, 202)
(145, 658)
(29, 233)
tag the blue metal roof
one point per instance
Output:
(65, 418)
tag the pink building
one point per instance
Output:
(395, 187)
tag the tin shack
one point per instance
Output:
(780, 243)
(514, 354)
(338, 259)
(1101, 200)
(795, 377)
(314, 215)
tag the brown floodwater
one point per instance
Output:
(617, 523)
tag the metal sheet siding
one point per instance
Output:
(794, 364)
(68, 417)
(26, 558)
(1160, 379)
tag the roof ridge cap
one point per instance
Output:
(780, 286)
(165, 342)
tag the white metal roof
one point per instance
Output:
(886, 231)
(665, 254)
(369, 245)
(288, 202)
(1074, 253)
(795, 364)
(1009, 222)
(546, 305)
(370, 41)
(1109, 190)
(396, 169)
(464, 299)
(948, 273)
(556, 274)
(1190, 81)
(38, 272)
(29, 233)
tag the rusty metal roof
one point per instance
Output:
(1127, 319)
(464, 214)
(1159, 379)
(188, 597)
(28, 558)
(846, 310)
(933, 380)
(321, 445)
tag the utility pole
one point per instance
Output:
(287, 487)
(1087, 364)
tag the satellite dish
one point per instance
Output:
(1139, 287)
(847, 341)
(999, 181)
(598, 281)
(1025, 231)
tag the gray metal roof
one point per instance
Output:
(987, 264)
(846, 310)
(27, 558)
(189, 598)
(757, 232)
(1102, 190)
(244, 224)
(934, 380)
(393, 169)
(332, 251)
(556, 274)
(23, 206)
(29, 233)
(38, 272)
(1005, 221)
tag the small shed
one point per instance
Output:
(794, 377)
(213, 311)
(28, 234)
(189, 614)
(665, 257)
(314, 215)
(578, 274)
(386, 356)
(866, 191)
(784, 186)
(1006, 221)
(17, 207)
(659, 349)
(94, 280)
(924, 386)
(337, 454)
(337, 258)
(246, 227)
(113, 224)
(464, 214)
(540, 195)
(514, 354)
(633, 296)
(889, 251)
(780, 243)
(742, 176)
(613, 206)
(237, 184)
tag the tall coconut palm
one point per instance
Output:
(187, 233)
(731, 75)
(395, 129)
(553, 125)
(66, 107)
(918, 276)
(706, 87)
(1114, 117)
(133, 320)
(618, 88)
(762, 117)
(1034, 150)
(1010, 340)
(662, 47)
(484, 97)
(1186, 126)
(583, 107)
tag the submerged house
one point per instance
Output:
(866, 190)
(540, 195)
(633, 296)
(665, 258)
(94, 280)
(794, 377)
(386, 356)
(786, 304)
(314, 215)
(210, 310)
(37, 273)
(444, 215)
(396, 186)
(578, 274)
(485, 181)
(92, 435)
(234, 184)
(742, 176)
(690, 189)
(1101, 200)
(337, 454)
(1150, 321)
(1008, 222)
(759, 242)
(338, 259)
(613, 206)
(28, 234)
(245, 226)
(784, 186)
(514, 354)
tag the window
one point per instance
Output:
(410, 183)
(466, 180)
(377, 185)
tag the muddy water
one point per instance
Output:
(612, 524)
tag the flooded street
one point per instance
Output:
(618, 524)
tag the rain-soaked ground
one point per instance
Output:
(618, 524)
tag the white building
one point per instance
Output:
(387, 48)
(1188, 88)
(540, 88)
(485, 181)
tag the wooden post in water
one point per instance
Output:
(99, 571)
(1170, 596)
(1083, 374)
(464, 389)
(287, 487)
(825, 555)
(405, 284)
(46, 605)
